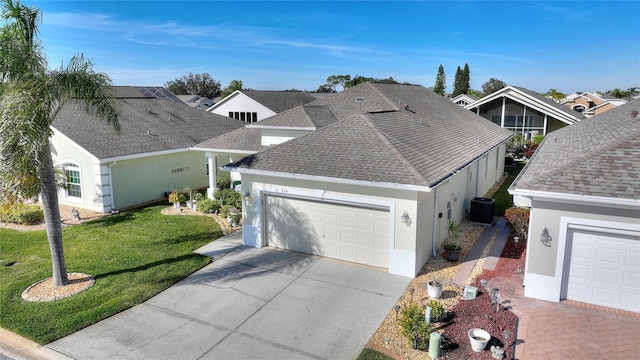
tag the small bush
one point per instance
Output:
(229, 197)
(208, 206)
(223, 180)
(531, 148)
(518, 218)
(23, 214)
(437, 310)
(414, 327)
(508, 161)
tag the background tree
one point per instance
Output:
(458, 83)
(476, 93)
(555, 95)
(195, 84)
(466, 79)
(335, 80)
(233, 86)
(325, 88)
(493, 85)
(441, 80)
(30, 98)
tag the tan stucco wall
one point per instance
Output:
(541, 259)
(139, 180)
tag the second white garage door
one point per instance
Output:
(351, 232)
(605, 270)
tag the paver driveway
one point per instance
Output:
(249, 304)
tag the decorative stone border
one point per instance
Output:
(44, 290)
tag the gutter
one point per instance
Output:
(577, 199)
(382, 185)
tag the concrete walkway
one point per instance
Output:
(249, 304)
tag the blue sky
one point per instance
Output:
(270, 45)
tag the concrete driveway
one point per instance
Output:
(249, 304)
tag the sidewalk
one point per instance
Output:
(19, 348)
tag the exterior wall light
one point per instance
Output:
(545, 238)
(247, 196)
(405, 218)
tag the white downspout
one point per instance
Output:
(504, 109)
(434, 242)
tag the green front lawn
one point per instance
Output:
(132, 255)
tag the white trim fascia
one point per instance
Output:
(225, 100)
(143, 155)
(223, 151)
(271, 127)
(383, 185)
(576, 199)
(85, 151)
(532, 101)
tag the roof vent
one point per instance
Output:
(151, 112)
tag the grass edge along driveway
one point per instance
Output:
(133, 256)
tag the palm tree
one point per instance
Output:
(30, 98)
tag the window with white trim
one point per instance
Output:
(519, 123)
(73, 185)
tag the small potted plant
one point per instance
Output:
(451, 247)
(434, 287)
(197, 196)
(176, 198)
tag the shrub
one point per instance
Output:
(223, 180)
(508, 161)
(208, 206)
(437, 310)
(23, 214)
(414, 327)
(229, 197)
(518, 218)
(516, 146)
(531, 148)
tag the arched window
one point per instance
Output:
(579, 108)
(73, 186)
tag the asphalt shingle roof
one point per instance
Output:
(279, 101)
(147, 124)
(599, 156)
(402, 134)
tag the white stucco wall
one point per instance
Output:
(278, 136)
(65, 151)
(544, 273)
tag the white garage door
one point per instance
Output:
(605, 270)
(350, 232)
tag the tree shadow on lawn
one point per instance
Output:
(148, 266)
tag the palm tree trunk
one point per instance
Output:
(49, 193)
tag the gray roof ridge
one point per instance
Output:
(375, 88)
(385, 139)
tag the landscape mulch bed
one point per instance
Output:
(463, 315)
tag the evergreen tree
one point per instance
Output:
(441, 79)
(458, 83)
(466, 76)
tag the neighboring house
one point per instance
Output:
(253, 105)
(583, 187)
(196, 101)
(150, 155)
(523, 111)
(375, 180)
(590, 104)
(463, 99)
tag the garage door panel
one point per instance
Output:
(342, 231)
(604, 270)
(631, 280)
